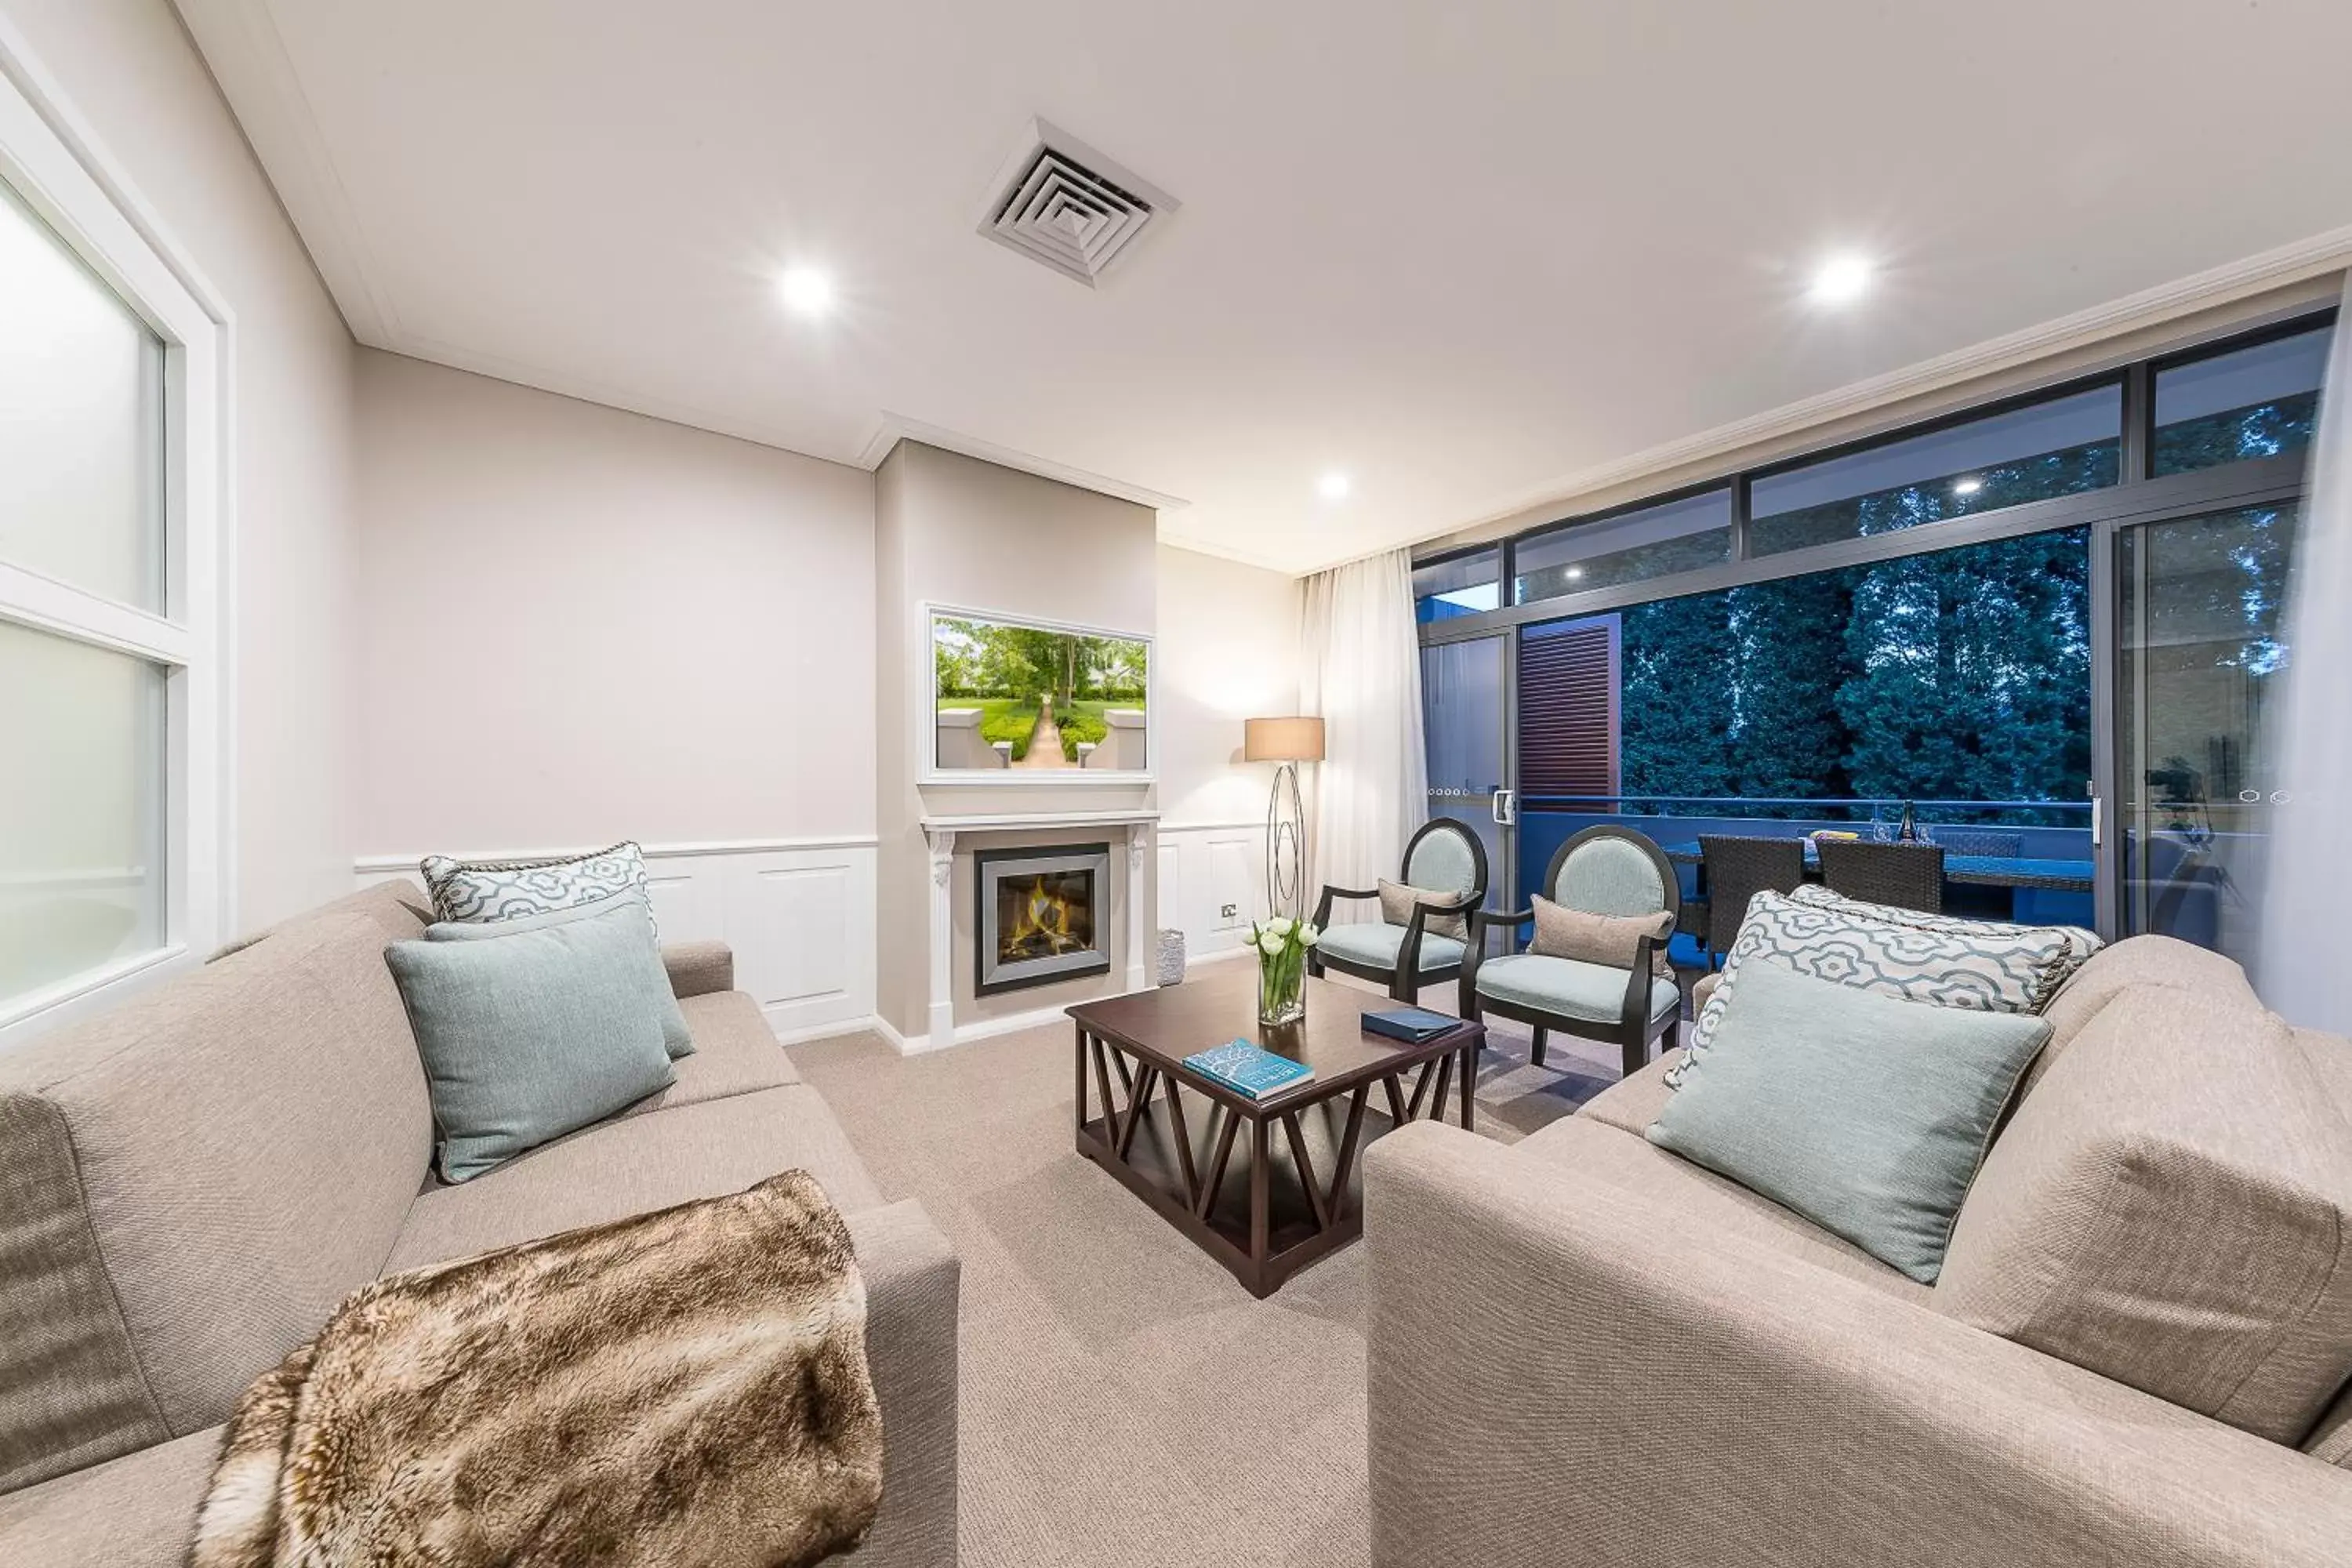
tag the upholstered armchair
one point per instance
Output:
(1444, 873)
(1604, 870)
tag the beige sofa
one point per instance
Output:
(190, 1184)
(1587, 1351)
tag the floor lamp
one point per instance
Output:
(1288, 742)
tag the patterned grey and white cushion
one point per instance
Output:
(482, 890)
(2079, 943)
(1984, 965)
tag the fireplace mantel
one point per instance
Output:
(941, 831)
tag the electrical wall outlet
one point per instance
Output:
(1230, 912)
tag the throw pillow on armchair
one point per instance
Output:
(1605, 939)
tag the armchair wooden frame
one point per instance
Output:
(1634, 1031)
(1406, 980)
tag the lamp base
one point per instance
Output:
(1286, 845)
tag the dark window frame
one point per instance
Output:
(2137, 496)
(2155, 365)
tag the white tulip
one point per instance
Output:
(1280, 925)
(1309, 936)
(1270, 944)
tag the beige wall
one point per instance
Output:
(1228, 651)
(955, 529)
(579, 625)
(127, 67)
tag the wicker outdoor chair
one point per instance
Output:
(1980, 841)
(1737, 869)
(1907, 875)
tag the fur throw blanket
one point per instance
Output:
(687, 1387)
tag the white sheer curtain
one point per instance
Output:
(2299, 961)
(1361, 671)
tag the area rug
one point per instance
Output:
(1123, 1398)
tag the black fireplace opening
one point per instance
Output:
(1039, 918)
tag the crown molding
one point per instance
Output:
(247, 54)
(892, 428)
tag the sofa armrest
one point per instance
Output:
(913, 1291)
(699, 968)
(1589, 1376)
(136, 1511)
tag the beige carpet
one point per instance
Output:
(1124, 1400)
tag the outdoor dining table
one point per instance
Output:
(1978, 870)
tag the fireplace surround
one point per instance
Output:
(1041, 915)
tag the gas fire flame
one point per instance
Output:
(1042, 920)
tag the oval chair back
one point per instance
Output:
(1445, 857)
(1614, 871)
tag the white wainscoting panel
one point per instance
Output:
(1205, 869)
(799, 915)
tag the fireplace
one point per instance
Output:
(1040, 915)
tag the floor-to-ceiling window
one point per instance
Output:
(2047, 627)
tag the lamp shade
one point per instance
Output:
(1293, 740)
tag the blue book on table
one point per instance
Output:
(1249, 1069)
(1413, 1023)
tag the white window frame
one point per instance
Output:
(51, 162)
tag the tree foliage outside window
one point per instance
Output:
(2071, 471)
(1961, 675)
(2262, 430)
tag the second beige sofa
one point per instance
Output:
(1586, 1350)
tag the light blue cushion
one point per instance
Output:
(1864, 1112)
(675, 1036)
(1593, 993)
(528, 1034)
(1376, 943)
(1610, 876)
(1442, 862)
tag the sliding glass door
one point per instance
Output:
(2200, 603)
(1464, 688)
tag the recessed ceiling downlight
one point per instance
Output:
(1333, 487)
(805, 289)
(1842, 279)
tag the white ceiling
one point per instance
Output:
(1468, 253)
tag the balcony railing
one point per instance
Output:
(2068, 815)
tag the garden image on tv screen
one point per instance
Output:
(1027, 697)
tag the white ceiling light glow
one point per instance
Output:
(805, 289)
(1968, 487)
(1842, 279)
(1333, 487)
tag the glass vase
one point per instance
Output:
(1281, 988)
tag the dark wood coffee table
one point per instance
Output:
(1297, 1199)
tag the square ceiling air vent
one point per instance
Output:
(1061, 203)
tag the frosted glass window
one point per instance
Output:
(81, 422)
(81, 872)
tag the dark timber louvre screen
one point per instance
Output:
(1568, 709)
